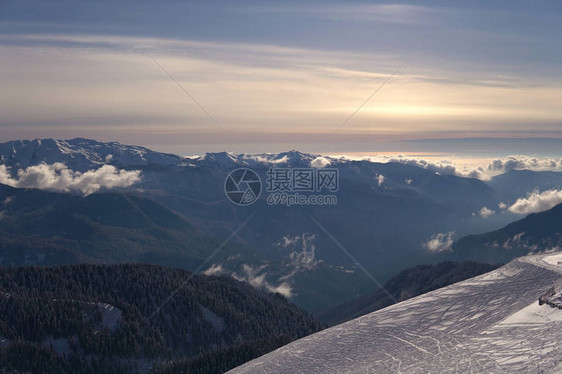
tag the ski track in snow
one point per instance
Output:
(488, 324)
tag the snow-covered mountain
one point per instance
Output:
(288, 159)
(385, 215)
(488, 324)
(80, 154)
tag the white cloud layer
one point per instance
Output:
(302, 254)
(486, 212)
(485, 172)
(440, 242)
(519, 162)
(215, 71)
(445, 167)
(256, 277)
(58, 177)
(215, 269)
(537, 202)
(301, 257)
(320, 162)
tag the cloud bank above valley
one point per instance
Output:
(524, 162)
(58, 177)
(299, 255)
(484, 172)
(537, 202)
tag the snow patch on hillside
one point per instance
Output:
(488, 324)
(555, 260)
(533, 314)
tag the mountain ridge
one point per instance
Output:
(45, 227)
(534, 233)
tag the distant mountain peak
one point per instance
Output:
(219, 158)
(297, 156)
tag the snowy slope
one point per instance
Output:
(488, 324)
(80, 154)
(83, 154)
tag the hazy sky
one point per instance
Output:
(284, 75)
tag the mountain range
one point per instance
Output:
(81, 201)
(535, 233)
(386, 217)
(47, 228)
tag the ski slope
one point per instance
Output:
(488, 324)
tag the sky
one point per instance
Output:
(463, 79)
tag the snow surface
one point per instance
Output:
(488, 324)
(81, 154)
(555, 260)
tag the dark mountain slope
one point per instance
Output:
(534, 233)
(54, 228)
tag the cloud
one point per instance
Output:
(58, 177)
(254, 275)
(409, 181)
(502, 205)
(518, 242)
(532, 244)
(320, 162)
(7, 200)
(537, 202)
(215, 269)
(263, 72)
(380, 179)
(486, 212)
(266, 158)
(440, 242)
(251, 275)
(519, 162)
(448, 167)
(445, 167)
(284, 289)
(302, 255)
(387, 13)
